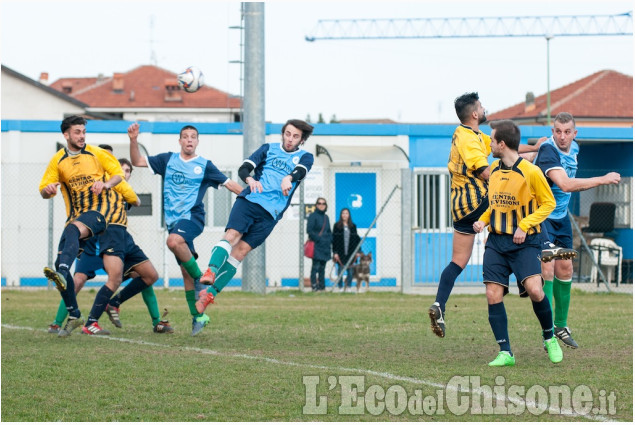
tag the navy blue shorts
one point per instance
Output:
(117, 241)
(503, 257)
(464, 225)
(252, 220)
(88, 264)
(189, 231)
(94, 220)
(558, 231)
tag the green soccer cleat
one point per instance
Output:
(503, 359)
(198, 323)
(71, 324)
(553, 350)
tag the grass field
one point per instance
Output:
(290, 356)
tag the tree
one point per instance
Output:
(308, 118)
(321, 119)
(334, 119)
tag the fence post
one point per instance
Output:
(51, 242)
(407, 257)
(301, 239)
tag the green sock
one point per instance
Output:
(548, 290)
(224, 275)
(150, 298)
(562, 298)
(191, 268)
(61, 314)
(190, 296)
(220, 253)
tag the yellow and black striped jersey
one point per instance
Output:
(77, 173)
(518, 197)
(468, 153)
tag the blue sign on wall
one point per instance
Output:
(357, 192)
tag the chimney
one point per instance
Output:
(117, 82)
(44, 78)
(530, 102)
(172, 90)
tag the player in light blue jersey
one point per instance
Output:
(277, 169)
(558, 159)
(186, 178)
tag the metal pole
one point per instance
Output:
(588, 250)
(50, 239)
(301, 239)
(254, 276)
(407, 260)
(548, 37)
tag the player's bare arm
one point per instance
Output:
(560, 178)
(286, 185)
(232, 186)
(136, 158)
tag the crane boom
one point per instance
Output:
(516, 26)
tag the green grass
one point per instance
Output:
(249, 363)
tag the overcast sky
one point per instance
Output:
(403, 80)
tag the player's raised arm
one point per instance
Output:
(136, 158)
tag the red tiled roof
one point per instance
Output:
(148, 84)
(605, 94)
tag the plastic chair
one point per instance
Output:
(601, 218)
(607, 254)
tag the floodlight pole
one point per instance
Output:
(548, 37)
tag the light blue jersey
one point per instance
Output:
(551, 157)
(184, 185)
(271, 164)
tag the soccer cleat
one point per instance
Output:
(564, 335)
(58, 279)
(71, 324)
(95, 329)
(557, 253)
(553, 350)
(204, 299)
(208, 278)
(54, 328)
(504, 358)
(436, 320)
(198, 323)
(163, 327)
(113, 315)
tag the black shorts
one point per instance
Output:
(188, 230)
(252, 220)
(464, 225)
(94, 220)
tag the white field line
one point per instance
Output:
(347, 370)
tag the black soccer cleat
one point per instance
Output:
(564, 335)
(557, 253)
(437, 323)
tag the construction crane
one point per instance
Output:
(547, 27)
(512, 26)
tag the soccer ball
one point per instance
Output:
(191, 79)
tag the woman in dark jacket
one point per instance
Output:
(319, 229)
(345, 239)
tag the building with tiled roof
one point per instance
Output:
(601, 99)
(150, 93)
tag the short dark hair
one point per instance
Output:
(465, 104)
(127, 162)
(306, 128)
(106, 147)
(188, 127)
(564, 117)
(68, 122)
(507, 132)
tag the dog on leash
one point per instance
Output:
(362, 270)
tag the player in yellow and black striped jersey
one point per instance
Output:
(519, 200)
(86, 175)
(469, 172)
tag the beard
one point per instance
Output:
(482, 119)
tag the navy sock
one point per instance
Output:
(68, 295)
(135, 286)
(99, 306)
(498, 322)
(71, 246)
(448, 277)
(545, 316)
